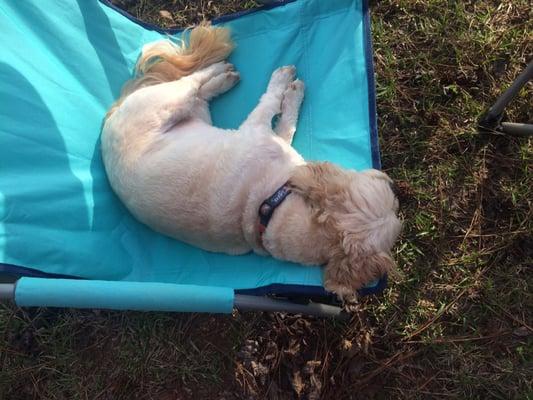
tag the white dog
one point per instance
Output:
(236, 191)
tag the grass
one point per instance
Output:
(459, 324)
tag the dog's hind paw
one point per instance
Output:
(219, 84)
(213, 71)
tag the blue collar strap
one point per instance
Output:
(269, 206)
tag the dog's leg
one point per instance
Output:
(290, 107)
(270, 103)
(214, 80)
(163, 106)
(210, 89)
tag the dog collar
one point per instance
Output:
(267, 208)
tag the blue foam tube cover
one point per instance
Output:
(140, 296)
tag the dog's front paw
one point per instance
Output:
(293, 97)
(281, 78)
(345, 293)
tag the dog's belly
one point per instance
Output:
(190, 183)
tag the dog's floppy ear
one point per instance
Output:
(317, 181)
(352, 266)
(376, 173)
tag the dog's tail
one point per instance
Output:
(165, 61)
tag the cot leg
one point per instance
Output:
(259, 303)
(7, 291)
(491, 120)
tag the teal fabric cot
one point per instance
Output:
(64, 235)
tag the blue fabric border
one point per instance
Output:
(218, 20)
(19, 271)
(274, 289)
(372, 109)
(282, 289)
